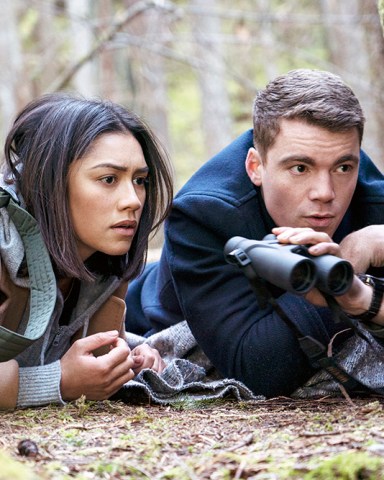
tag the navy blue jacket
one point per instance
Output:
(192, 280)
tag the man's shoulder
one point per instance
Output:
(370, 185)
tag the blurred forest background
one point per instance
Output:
(191, 68)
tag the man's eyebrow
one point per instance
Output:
(120, 168)
(348, 158)
(297, 158)
(310, 161)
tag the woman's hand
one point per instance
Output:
(146, 357)
(96, 377)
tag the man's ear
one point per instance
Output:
(253, 166)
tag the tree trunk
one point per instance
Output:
(381, 12)
(79, 12)
(14, 92)
(108, 84)
(47, 40)
(357, 47)
(215, 106)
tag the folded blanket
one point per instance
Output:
(189, 375)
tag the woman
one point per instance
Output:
(97, 183)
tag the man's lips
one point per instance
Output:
(320, 220)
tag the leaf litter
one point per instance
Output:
(278, 438)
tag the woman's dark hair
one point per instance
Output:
(48, 135)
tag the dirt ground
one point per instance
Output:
(274, 439)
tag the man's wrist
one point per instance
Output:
(377, 285)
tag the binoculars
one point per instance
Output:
(290, 267)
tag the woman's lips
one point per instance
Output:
(127, 228)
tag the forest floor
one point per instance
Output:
(272, 439)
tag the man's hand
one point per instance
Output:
(96, 377)
(321, 243)
(364, 248)
(146, 357)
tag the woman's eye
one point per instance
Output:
(140, 181)
(109, 180)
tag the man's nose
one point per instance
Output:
(322, 189)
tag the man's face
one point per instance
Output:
(308, 176)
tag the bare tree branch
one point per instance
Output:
(131, 13)
(122, 40)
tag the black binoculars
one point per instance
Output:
(290, 267)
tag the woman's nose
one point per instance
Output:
(130, 198)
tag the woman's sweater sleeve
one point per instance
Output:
(40, 385)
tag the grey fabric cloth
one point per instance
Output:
(188, 376)
(11, 246)
(362, 357)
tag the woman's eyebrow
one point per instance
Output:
(120, 168)
(110, 165)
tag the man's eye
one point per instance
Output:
(299, 168)
(140, 181)
(345, 168)
(109, 180)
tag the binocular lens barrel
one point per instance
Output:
(334, 279)
(302, 275)
(291, 268)
(287, 270)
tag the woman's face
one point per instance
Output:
(106, 190)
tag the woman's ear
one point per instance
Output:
(253, 166)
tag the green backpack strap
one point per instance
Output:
(42, 281)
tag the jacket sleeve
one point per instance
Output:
(242, 341)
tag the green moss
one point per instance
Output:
(349, 466)
(185, 402)
(11, 469)
(72, 437)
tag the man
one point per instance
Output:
(301, 166)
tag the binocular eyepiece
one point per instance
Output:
(290, 267)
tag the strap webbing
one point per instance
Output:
(42, 281)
